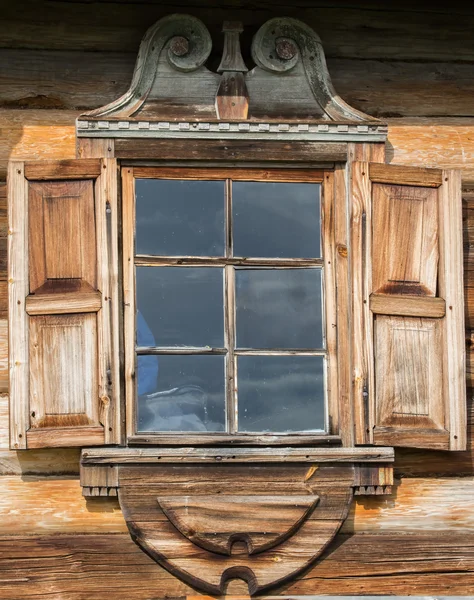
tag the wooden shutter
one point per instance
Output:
(63, 303)
(408, 312)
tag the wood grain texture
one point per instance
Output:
(450, 288)
(68, 80)
(53, 566)
(216, 522)
(407, 306)
(409, 378)
(63, 371)
(405, 233)
(193, 516)
(240, 150)
(46, 461)
(48, 503)
(45, 170)
(57, 303)
(361, 318)
(395, 175)
(17, 292)
(234, 455)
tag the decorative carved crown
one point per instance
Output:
(288, 94)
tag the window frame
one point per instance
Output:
(335, 302)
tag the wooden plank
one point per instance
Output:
(242, 173)
(47, 461)
(223, 150)
(53, 566)
(429, 143)
(68, 80)
(36, 135)
(60, 304)
(362, 335)
(396, 175)
(3, 355)
(18, 290)
(86, 168)
(213, 455)
(328, 210)
(407, 306)
(450, 288)
(42, 505)
(341, 240)
(64, 437)
(356, 30)
(128, 250)
(108, 321)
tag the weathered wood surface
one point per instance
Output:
(90, 567)
(42, 505)
(345, 33)
(68, 80)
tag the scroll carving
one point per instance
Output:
(281, 43)
(287, 95)
(188, 47)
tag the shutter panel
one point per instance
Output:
(409, 352)
(63, 298)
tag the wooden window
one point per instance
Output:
(228, 279)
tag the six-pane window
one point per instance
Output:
(230, 328)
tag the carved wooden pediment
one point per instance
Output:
(288, 94)
(212, 515)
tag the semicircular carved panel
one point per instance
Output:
(209, 525)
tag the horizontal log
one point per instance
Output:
(440, 143)
(41, 505)
(382, 88)
(47, 461)
(227, 150)
(95, 566)
(354, 31)
(35, 135)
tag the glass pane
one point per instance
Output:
(279, 308)
(181, 393)
(276, 220)
(281, 393)
(180, 218)
(180, 306)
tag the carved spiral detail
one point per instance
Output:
(188, 47)
(278, 46)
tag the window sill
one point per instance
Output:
(120, 456)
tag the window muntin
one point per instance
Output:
(295, 350)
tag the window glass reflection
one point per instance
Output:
(276, 220)
(181, 393)
(181, 306)
(280, 393)
(278, 308)
(180, 218)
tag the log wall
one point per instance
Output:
(412, 65)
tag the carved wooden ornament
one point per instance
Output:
(287, 95)
(209, 515)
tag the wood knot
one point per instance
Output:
(286, 49)
(179, 45)
(342, 251)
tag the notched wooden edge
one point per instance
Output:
(102, 478)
